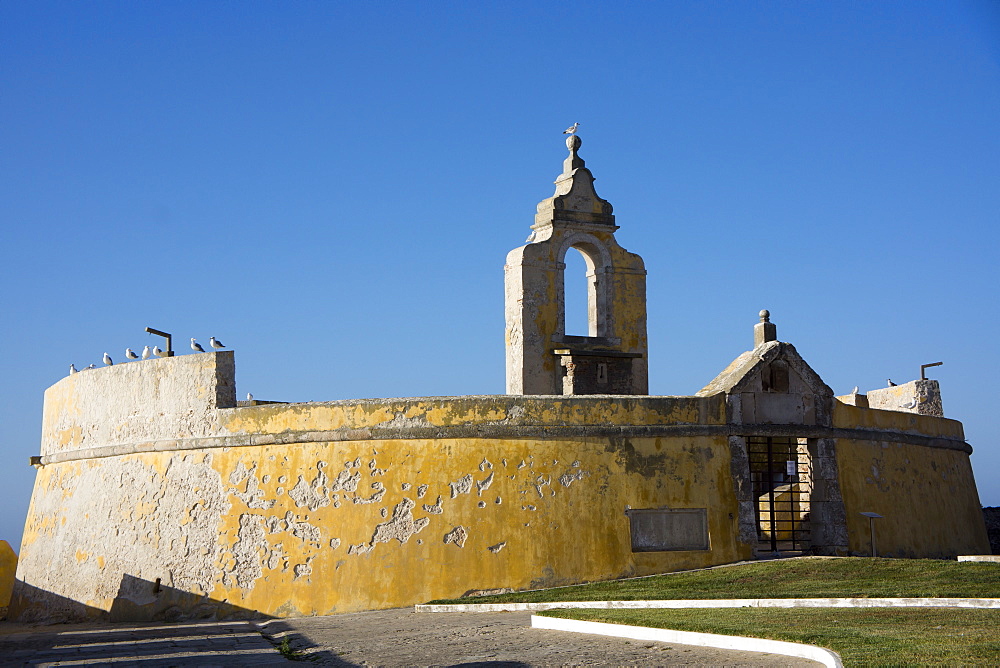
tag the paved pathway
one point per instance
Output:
(148, 645)
(489, 640)
(383, 638)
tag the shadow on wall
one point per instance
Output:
(138, 600)
(992, 519)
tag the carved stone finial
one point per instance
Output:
(765, 330)
(574, 161)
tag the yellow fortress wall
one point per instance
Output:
(186, 506)
(318, 508)
(924, 494)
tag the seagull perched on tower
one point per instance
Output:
(215, 344)
(571, 130)
(130, 354)
(107, 359)
(72, 369)
(145, 353)
(158, 352)
(195, 346)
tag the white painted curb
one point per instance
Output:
(823, 656)
(720, 603)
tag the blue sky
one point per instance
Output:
(332, 188)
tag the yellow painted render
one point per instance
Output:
(855, 417)
(927, 496)
(552, 411)
(552, 513)
(8, 567)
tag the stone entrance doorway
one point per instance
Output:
(782, 485)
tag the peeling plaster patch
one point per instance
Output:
(405, 486)
(421, 490)
(576, 464)
(383, 512)
(516, 412)
(360, 548)
(484, 484)
(275, 557)
(496, 548)
(174, 516)
(461, 486)
(458, 535)
(254, 495)
(302, 570)
(482, 504)
(528, 507)
(276, 524)
(420, 541)
(346, 481)
(485, 464)
(334, 543)
(282, 479)
(542, 481)
(305, 532)
(374, 498)
(251, 543)
(374, 469)
(435, 509)
(313, 495)
(240, 473)
(568, 478)
(401, 526)
(356, 464)
(498, 501)
(521, 465)
(266, 479)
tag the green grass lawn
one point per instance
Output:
(862, 636)
(811, 577)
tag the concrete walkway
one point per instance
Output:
(383, 638)
(147, 645)
(494, 640)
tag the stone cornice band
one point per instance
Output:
(500, 431)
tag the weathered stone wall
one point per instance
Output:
(918, 396)
(915, 477)
(8, 566)
(992, 517)
(179, 507)
(297, 509)
(138, 402)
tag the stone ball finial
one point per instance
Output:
(573, 142)
(765, 315)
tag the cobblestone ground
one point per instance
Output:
(494, 640)
(149, 646)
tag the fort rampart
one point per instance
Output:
(157, 497)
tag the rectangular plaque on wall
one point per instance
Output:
(665, 529)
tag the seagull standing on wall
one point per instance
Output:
(157, 351)
(195, 346)
(107, 359)
(145, 353)
(571, 130)
(91, 366)
(72, 369)
(891, 384)
(130, 355)
(215, 344)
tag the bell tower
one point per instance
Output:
(541, 357)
